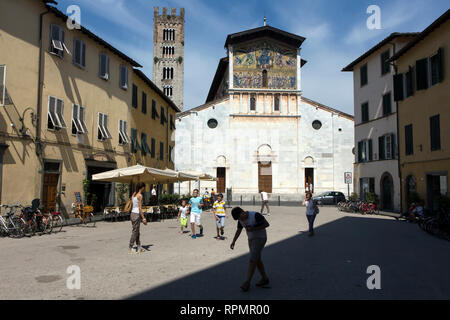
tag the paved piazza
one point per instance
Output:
(331, 265)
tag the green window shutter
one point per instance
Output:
(409, 144)
(135, 94)
(153, 148)
(360, 144)
(398, 87)
(435, 133)
(143, 143)
(441, 64)
(381, 148)
(393, 146)
(135, 147)
(370, 150)
(422, 74)
(409, 82)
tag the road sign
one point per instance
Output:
(348, 177)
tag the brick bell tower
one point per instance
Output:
(168, 53)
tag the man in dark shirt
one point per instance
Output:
(255, 225)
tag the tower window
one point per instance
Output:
(169, 34)
(167, 73)
(168, 91)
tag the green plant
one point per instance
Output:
(122, 189)
(444, 203)
(413, 197)
(372, 197)
(156, 59)
(182, 43)
(180, 59)
(353, 196)
(87, 191)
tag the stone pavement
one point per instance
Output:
(330, 265)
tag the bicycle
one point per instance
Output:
(28, 219)
(85, 214)
(56, 220)
(12, 226)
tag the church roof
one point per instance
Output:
(312, 102)
(265, 31)
(220, 72)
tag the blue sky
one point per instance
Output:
(335, 32)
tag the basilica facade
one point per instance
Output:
(257, 132)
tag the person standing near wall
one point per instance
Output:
(136, 216)
(311, 211)
(265, 202)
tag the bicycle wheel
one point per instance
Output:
(48, 224)
(27, 228)
(57, 223)
(91, 219)
(15, 228)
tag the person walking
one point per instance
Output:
(220, 213)
(196, 204)
(255, 225)
(311, 211)
(182, 215)
(154, 196)
(265, 201)
(136, 216)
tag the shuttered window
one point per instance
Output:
(363, 75)
(385, 67)
(435, 133)
(381, 155)
(79, 53)
(387, 108)
(409, 146)
(365, 152)
(134, 100)
(422, 74)
(398, 87)
(134, 141)
(161, 151)
(123, 133)
(103, 68)
(123, 82)
(153, 148)
(78, 124)
(55, 115)
(154, 111)
(103, 131)
(365, 112)
(409, 82)
(144, 103)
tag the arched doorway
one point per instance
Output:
(387, 191)
(265, 168)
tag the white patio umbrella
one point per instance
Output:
(135, 174)
(180, 176)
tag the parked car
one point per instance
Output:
(329, 197)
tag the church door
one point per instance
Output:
(265, 177)
(309, 179)
(221, 175)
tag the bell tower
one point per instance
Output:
(168, 53)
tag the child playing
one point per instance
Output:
(183, 212)
(220, 213)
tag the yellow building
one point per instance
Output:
(66, 109)
(422, 90)
(152, 125)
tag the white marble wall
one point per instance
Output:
(291, 138)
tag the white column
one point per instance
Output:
(230, 67)
(240, 103)
(288, 97)
(299, 70)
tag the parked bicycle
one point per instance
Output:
(11, 225)
(56, 220)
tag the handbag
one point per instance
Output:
(316, 208)
(128, 205)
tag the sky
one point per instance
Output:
(335, 32)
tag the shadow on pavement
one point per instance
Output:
(330, 265)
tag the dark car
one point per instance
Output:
(329, 197)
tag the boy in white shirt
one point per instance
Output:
(183, 213)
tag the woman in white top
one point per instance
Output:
(310, 212)
(136, 216)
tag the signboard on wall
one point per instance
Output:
(348, 177)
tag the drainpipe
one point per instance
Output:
(398, 141)
(38, 144)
